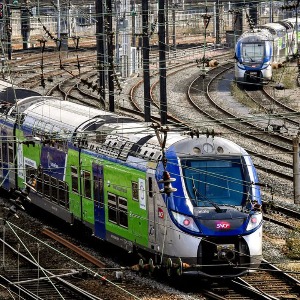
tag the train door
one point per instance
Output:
(4, 158)
(99, 209)
(152, 209)
(7, 159)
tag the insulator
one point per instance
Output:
(166, 180)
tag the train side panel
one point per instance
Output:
(126, 205)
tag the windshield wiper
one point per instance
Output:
(251, 59)
(195, 190)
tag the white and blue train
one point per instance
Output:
(261, 49)
(109, 174)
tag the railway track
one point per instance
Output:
(31, 281)
(282, 216)
(281, 117)
(268, 282)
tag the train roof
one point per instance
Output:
(275, 29)
(256, 34)
(291, 21)
(66, 116)
(91, 128)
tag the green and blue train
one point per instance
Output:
(190, 206)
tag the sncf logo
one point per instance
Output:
(223, 225)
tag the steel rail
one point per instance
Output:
(74, 248)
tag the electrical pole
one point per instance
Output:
(296, 160)
(25, 25)
(146, 72)
(297, 39)
(110, 56)
(296, 176)
(100, 46)
(58, 19)
(217, 22)
(174, 6)
(167, 24)
(162, 61)
(238, 19)
(253, 7)
(8, 28)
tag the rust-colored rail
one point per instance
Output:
(74, 248)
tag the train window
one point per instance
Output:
(98, 191)
(135, 191)
(54, 189)
(218, 181)
(150, 184)
(47, 185)
(28, 171)
(87, 184)
(112, 208)
(74, 175)
(253, 52)
(63, 195)
(11, 153)
(39, 183)
(122, 210)
(4, 149)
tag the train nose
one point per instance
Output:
(225, 252)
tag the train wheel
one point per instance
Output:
(151, 267)
(141, 265)
(169, 266)
(179, 266)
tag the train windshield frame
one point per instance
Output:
(253, 52)
(219, 181)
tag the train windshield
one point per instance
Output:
(218, 181)
(253, 52)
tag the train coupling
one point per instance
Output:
(225, 252)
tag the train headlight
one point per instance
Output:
(254, 221)
(185, 221)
